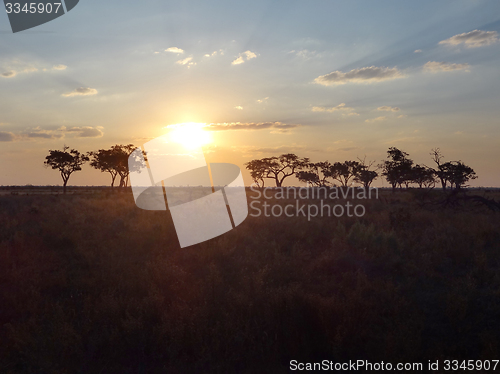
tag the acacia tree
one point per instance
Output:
(67, 162)
(258, 169)
(277, 168)
(397, 170)
(458, 174)
(343, 172)
(437, 156)
(116, 162)
(423, 176)
(316, 174)
(121, 154)
(364, 175)
(105, 161)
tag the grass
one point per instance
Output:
(91, 284)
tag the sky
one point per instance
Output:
(329, 80)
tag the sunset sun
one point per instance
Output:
(190, 135)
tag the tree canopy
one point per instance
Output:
(67, 162)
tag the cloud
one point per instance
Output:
(84, 132)
(417, 51)
(435, 66)
(275, 126)
(473, 39)
(17, 67)
(248, 55)
(174, 50)
(339, 108)
(187, 61)
(9, 74)
(375, 119)
(251, 151)
(6, 136)
(81, 91)
(238, 107)
(402, 116)
(370, 74)
(388, 109)
(238, 61)
(260, 101)
(38, 133)
(305, 54)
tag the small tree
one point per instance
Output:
(66, 162)
(121, 154)
(343, 172)
(277, 168)
(364, 175)
(105, 161)
(397, 170)
(458, 174)
(258, 170)
(437, 156)
(316, 174)
(423, 176)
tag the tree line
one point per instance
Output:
(114, 161)
(398, 169)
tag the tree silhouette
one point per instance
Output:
(276, 168)
(364, 175)
(105, 161)
(437, 156)
(258, 170)
(66, 162)
(454, 172)
(121, 154)
(423, 176)
(397, 170)
(458, 174)
(115, 161)
(343, 172)
(316, 174)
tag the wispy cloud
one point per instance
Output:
(473, 39)
(38, 133)
(9, 74)
(388, 109)
(81, 91)
(417, 51)
(83, 132)
(187, 61)
(436, 66)
(245, 56)
(16, 67)
(260, 101)
(174, 50)
(6, 136)
(345, 110)
(275, 126)
(370, 74)
(382, 118)
(238, 107)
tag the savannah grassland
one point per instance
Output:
(91, 284)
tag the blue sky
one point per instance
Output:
(333, 80)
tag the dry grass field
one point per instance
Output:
(91, 284)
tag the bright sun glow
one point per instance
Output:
(191, 135)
